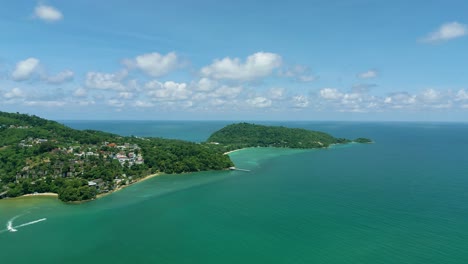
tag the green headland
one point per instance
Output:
(43, 156)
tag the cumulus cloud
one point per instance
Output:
(330, 94)
(25, 69)
(155, 64)
(52, 103)
(363, 87)
(80, 92)
(299, 73)
(14, 93)
(126, 95)
(106, 81)
(276, 93)
(206, 84)
(430, 95)
(259, 102)
(446, 32)
(355, 101)
(429, 99)
(368, 74)
(256, 66)
(60, 78)
(168, 91)
(47, 13)
(142, 104)
(229, 92)
(461, 95)
(400, 100)
(300, 101)
(115, 103)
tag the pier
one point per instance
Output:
(237, 169)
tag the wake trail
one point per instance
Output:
(9, 225)
(11, 228)
(30, 223)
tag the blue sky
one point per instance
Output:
(240, 60)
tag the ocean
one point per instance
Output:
(403, 199)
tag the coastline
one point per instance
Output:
(48, 194)
(55, 195)
(121, 187)
(232, 151)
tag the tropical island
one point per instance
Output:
(43, 156)
(245, 135)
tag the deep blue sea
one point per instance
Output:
(403, 199)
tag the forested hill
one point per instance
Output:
(17, 127)
(38, 155)
(243, 135)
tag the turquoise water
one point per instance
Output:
(401, 200)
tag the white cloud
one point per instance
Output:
(276, 93)
(47, 13)
(347, 102)
(400, 100)
(15, 93)
(330, 94)
(258, 65)
(168, 91)
(80, 92)
(25, 69)
(86, 102)
(461, 95)
(446, 32)
(45, 103)
(300, 101)
(206, 84)
(363, 87)
(299, 73)
(60, 78)
(155, 64)
(126, 95)
(115, 103)
(143, 104)
(368, 74)
(218, 102)
(106, 81)
(259, 102)
(229, 92)
(430, 95)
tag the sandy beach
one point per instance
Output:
(124, 186)
(232, 151)
(49, 194)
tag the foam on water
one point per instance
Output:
(11, 228)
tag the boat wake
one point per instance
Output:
(29, 223)
(11, 228)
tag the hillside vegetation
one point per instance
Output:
(38, 155)
(244, 135)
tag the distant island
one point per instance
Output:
(245, 135)
(42, 156)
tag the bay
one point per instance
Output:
(400, 200)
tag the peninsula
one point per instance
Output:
(245, 135)
(42, 156)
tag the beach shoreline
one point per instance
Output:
(121, 187)
(55, 195)
(47, 194)
(232, 151)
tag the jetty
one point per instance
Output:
(237, 169)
